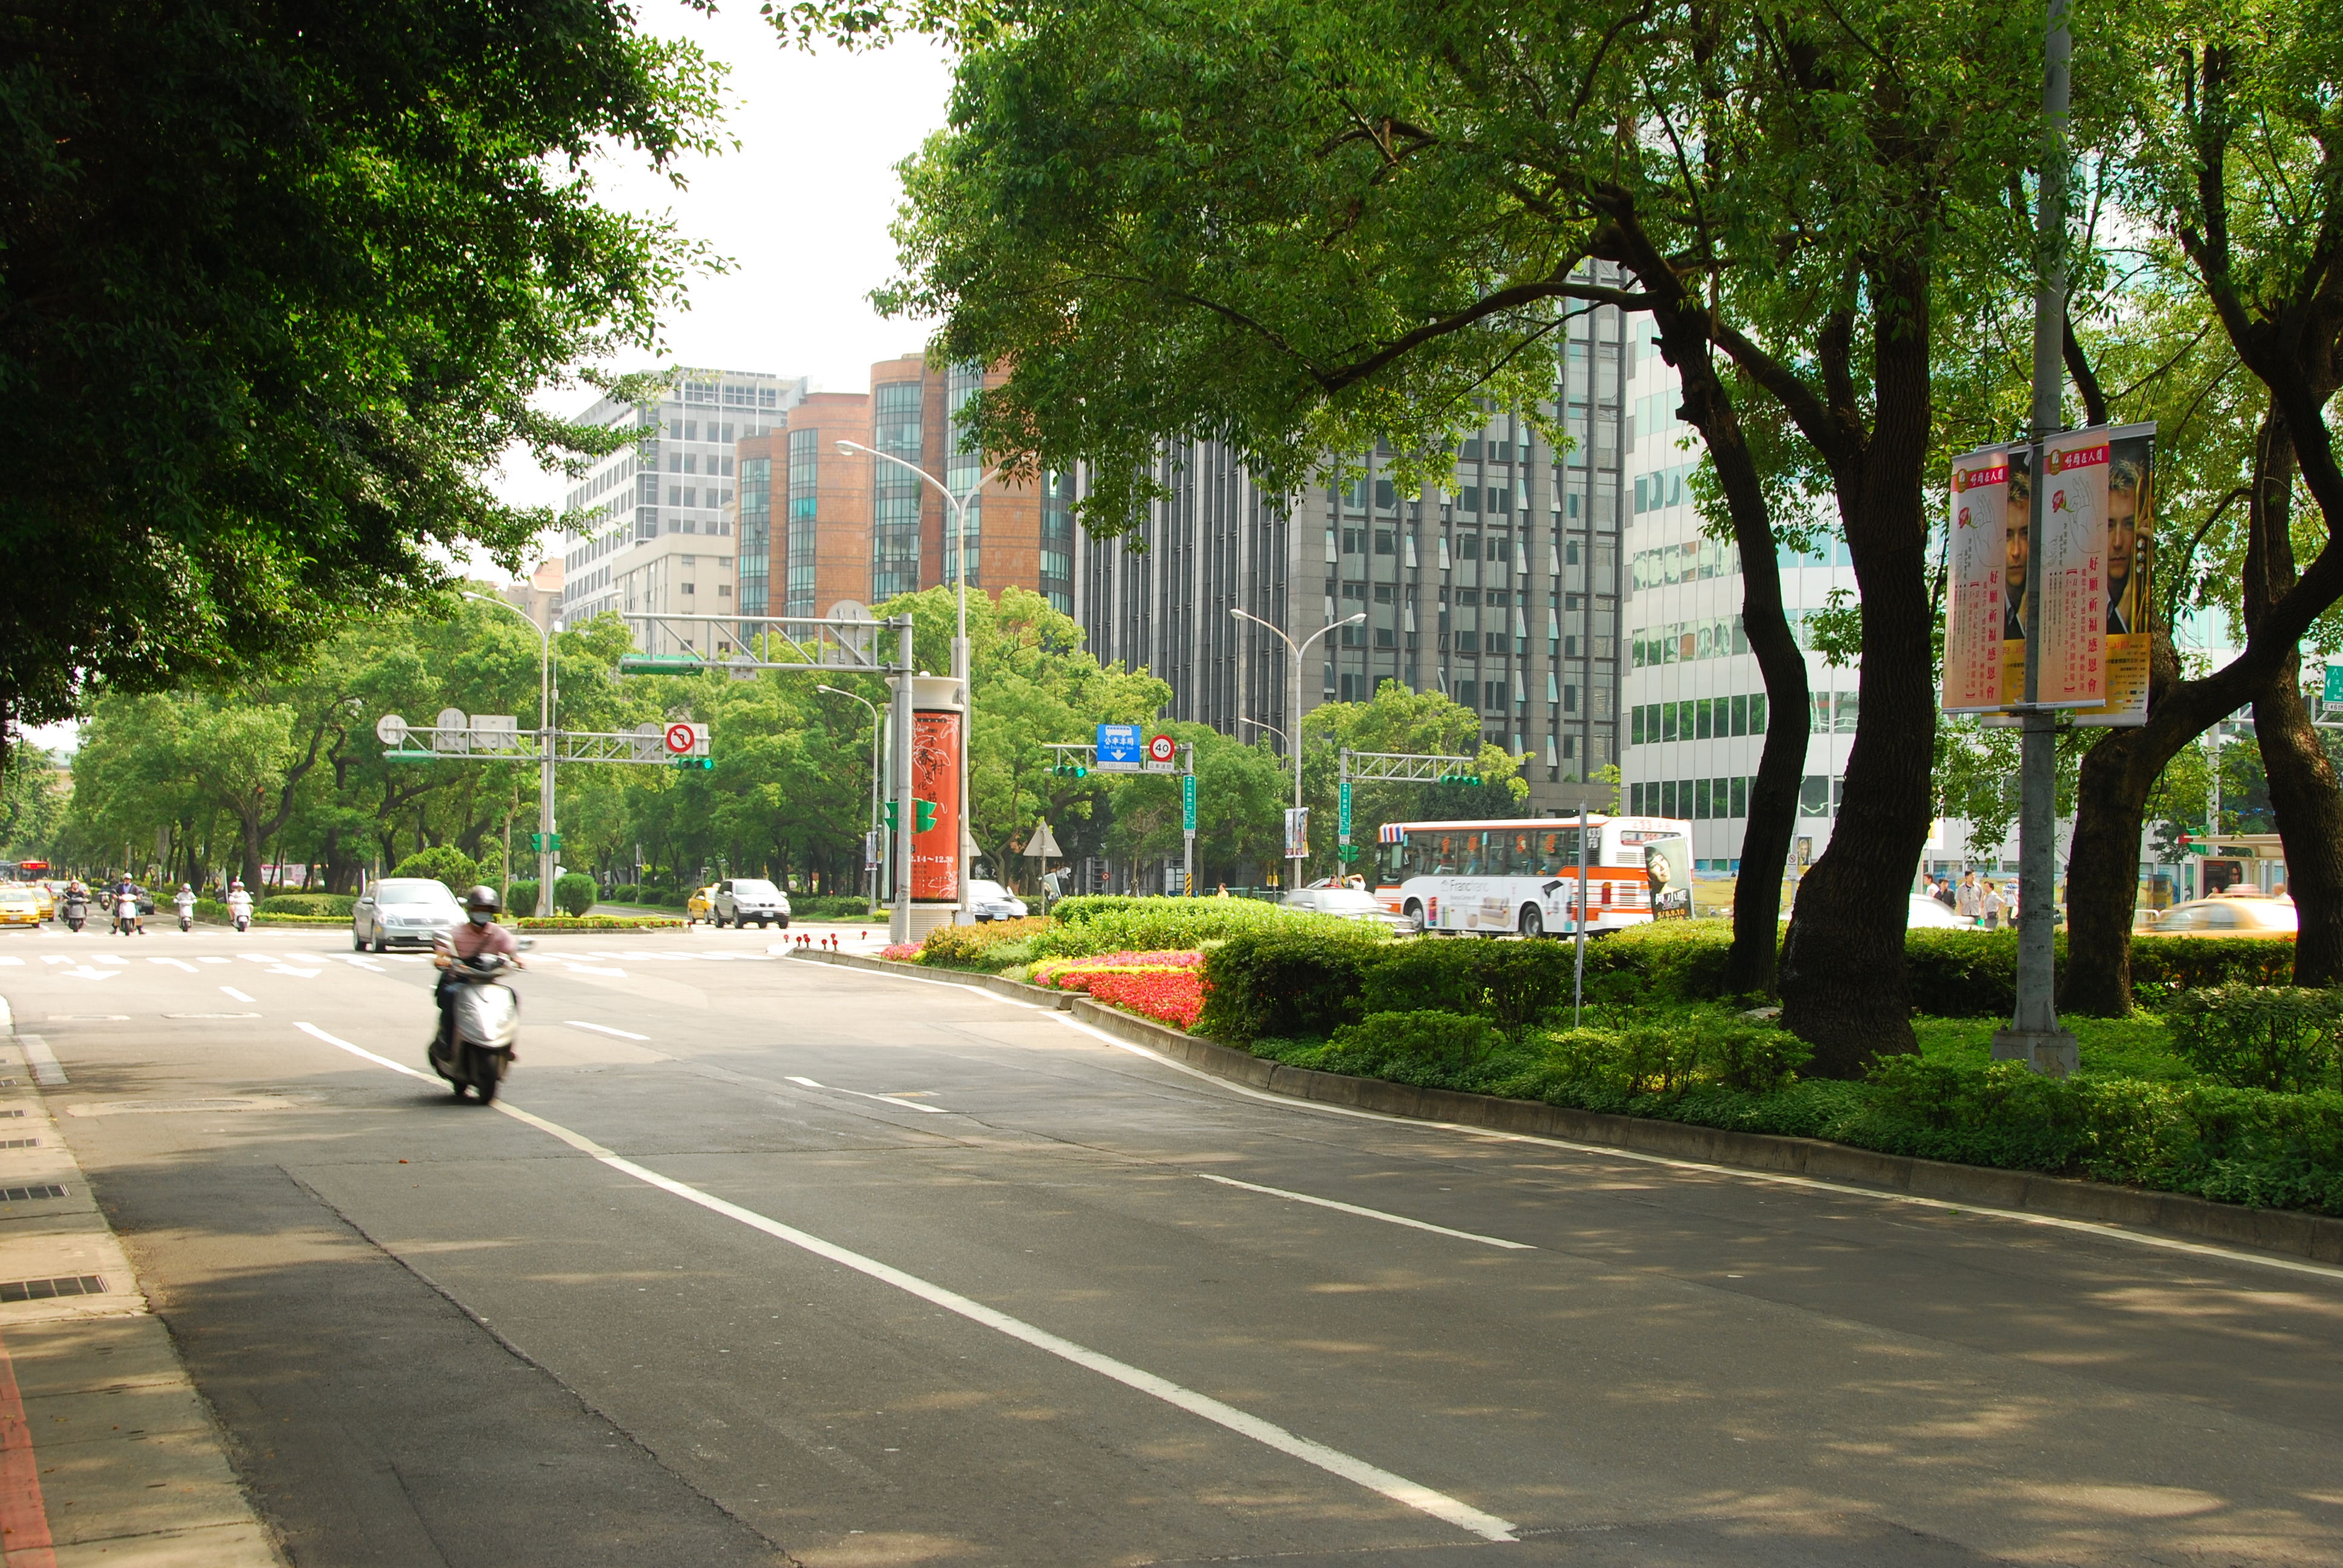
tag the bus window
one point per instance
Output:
(1523, 856)
(1392, 858)
(1558, 853)
(1443, 856)
(1474, 848)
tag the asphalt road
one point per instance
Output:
(790, 1262)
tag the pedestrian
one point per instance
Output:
(1944, 891)
(1965, 901)
(1990, 904)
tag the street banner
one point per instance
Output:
(2127, 489)
(1297, 832)
(935, 777)
(1977, 558)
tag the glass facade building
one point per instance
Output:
(804, 502)
(756, 535)
(963, 470)
(896, 430)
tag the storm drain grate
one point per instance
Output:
(10, 1112)
(26, 1194)
(43, 1290)
(19, 1143)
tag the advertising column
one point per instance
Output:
(937, 737)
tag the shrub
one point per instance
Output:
(1684, 959)
(445, 862)
(2192, 963)
(574, 893)
(1965, 974)
(982, 946)
(829, 907)
(337, 905)
(1512, 984)
(1672, 1052)
(1107, 925)
(1282, 980)
(2259, 1036)
(1426, 1035)
(597, 922)
(1173, 996)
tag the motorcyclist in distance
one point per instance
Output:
(239, 902)
(126, 917)
(479, 934)
(184, 902)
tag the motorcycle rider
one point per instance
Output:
(126, 917)
(239, 904)
(184, 902)
(479, 934)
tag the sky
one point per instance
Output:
(800, 209)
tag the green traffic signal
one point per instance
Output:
(923, 815)
(694, 763)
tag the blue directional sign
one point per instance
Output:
(1118, 747)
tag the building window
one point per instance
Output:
(896, 430)
(962, 382)
(802, 520)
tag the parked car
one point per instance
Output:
(992, 901)
(402, 912)
(2227, 917)
(20, 904)
(1350, 903)
(1926, 914)
(748, 900)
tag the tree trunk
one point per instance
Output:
(1842, 973)
(2103, 868)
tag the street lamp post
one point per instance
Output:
(840, 691)
(960, 644)
(546, 695)
(1294, 742)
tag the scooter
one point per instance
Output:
(240, 915)
(76, 911)
(126, 918)
(186, 919)
(484, 1018)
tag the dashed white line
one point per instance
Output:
(883, 1098)
(1369, 1214)
(1374, 1478)
(178, 963)
(238, 995)
(603, 1029)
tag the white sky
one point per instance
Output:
(800, 209)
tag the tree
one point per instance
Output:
(277, 285)
(2239, 147)
(1306, 229)
(32, 794)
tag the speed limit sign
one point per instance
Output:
(679, 739)
(1161, 748)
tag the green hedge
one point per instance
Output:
(574, 893)
(1282, 981)
(598, 923)
(336, 904)
(831, 907)
(1106, 925)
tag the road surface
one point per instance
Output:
(762, 1261)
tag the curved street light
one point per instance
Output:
(1296, 649)
(959, 645)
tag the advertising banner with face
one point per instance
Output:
(1976, 587)
(2071, 619)
(2130, 563)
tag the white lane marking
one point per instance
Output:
(57, 958)
(87, 973)
(10, 961)
(238, 995)
(289, 970)
(179, 963)
(1811, 1183)
(213, 961)
(604, 1029)
(2053, 1222)
(41, 1060)
(889, 1099)
(1398, 1488)
(257, 959)
(1369, 1214)
(111, 958)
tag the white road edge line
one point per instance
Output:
(887, 1098)
(41, 1060)
(602, 1029)
(1370, 1213)
(1287, 1102)
(1398, 1488)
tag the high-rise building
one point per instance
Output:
(817, 526)
(652, 527)
(1502, 589)
(1698, 710)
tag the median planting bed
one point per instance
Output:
(2227, 1084)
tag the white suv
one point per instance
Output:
(746, 900)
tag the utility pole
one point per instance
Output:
(2033, 1036)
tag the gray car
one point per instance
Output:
(992, 901)
(748, 900)
(402, 912)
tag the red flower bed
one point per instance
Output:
(1173, 996)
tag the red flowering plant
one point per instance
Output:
(1166, 985)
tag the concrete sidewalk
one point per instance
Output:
(106, 1452)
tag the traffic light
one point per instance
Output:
(694, 763)
(1347, 853)
(1070, 770)
(1458, 779)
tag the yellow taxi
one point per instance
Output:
(20, 904)
(699, 906)
(2226, 916)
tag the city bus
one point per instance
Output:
(1522, 876)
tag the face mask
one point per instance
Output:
(479, 916)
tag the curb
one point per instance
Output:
(2283, 1231)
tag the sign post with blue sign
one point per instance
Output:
(1118, 747)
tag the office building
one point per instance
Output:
(1696, 705)
(1501, 588)
(819, 527)
(651, 528)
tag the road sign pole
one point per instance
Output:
(898, 926)
(1187, 822)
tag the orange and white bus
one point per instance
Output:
(1516, 876)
